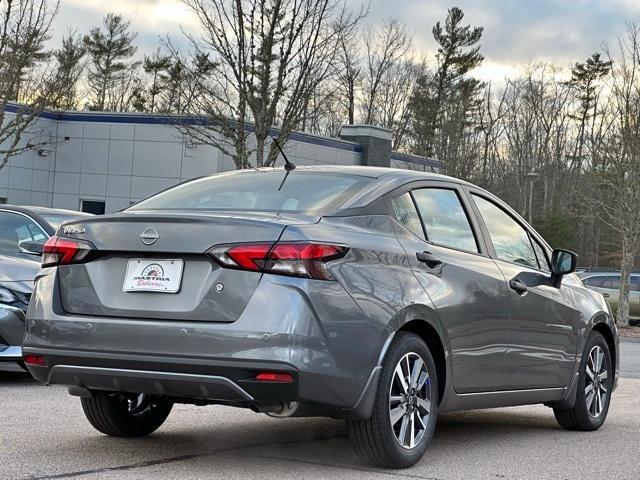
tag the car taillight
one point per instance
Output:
(63, 251)
(299, 259)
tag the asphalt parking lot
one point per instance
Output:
(43, 434)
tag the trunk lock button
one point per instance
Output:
(183, 332)
(219, 287)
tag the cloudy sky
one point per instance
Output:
(516, 31)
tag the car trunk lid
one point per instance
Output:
(152, 240)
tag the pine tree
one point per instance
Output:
(584, 79)
(458, 53)
(69, 70)
(109, 49)
(156, 67)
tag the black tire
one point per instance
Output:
(126, 415)
(583, 415)
(375, 440)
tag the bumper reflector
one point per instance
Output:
(35, 360)
(274, 377)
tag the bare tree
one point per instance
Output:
(24, 28)
(268, 58)
(384, 48)
(618, 178)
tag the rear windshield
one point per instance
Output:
(302, 192)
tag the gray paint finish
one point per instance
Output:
(499, 348)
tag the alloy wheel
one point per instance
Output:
(410, 400)
(595, 390)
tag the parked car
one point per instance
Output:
(608, 284)
(380, 296)
(23, 233)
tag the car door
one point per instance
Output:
(543, 327)
(464, 284)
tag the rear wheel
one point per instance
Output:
(595, 383)
(126, 414)
(405, 408)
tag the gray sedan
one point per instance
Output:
(380, 296)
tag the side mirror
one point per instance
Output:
(563, 262)
(32, 248)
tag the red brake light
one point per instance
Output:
(35, 360)
(274, 377)
(62, 251)
(300, 259)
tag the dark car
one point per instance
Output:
(23, 232)
(380, 296)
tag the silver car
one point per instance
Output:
(380, 296)
(608, 284)
(23, 232)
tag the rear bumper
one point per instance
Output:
(180, 378)
(310, 329)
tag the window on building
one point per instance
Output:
(95, 207)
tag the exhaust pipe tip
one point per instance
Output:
(278, 410)
(287, 409)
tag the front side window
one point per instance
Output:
(15, 229)
(612, 282)
(407, 215)
(510, 240)
(541, 255)
(444, 218)
(635, 283)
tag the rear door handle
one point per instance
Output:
(518, 286)
(429, 258)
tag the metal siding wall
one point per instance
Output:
(121, 162)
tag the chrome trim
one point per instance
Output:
(11, 353)
(148, 375)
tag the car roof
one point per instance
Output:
(364, 171)
(43, 210)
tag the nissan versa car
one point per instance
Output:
(383, 297)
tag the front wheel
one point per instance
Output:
(405, 407)
(595, 383)
(126, 414)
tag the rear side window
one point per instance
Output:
(594, 281)
(444, 218)
(302, 191)
(510, 240)
(635, 284)
(407, 215)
